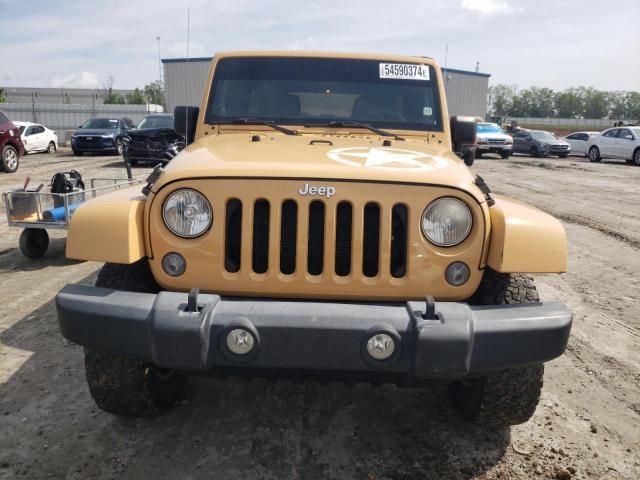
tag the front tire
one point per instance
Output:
(594, 154)
(77, 153)
(34, 242)
(126, 386)
(564, 155)
(505, 154)
(119, 147)
(534, 152)
(508, 397)
(10, 159)
(51, 148)
(636, 157)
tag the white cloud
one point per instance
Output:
(487, 7)
(180, 50)
(76, 80)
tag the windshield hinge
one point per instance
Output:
(152, 178)
(486, 191)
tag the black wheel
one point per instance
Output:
(126, 386)
(636, 157)
(119, 146)
(51, 148)
(77, 153)
(594, 154)
(478, 154)
(34, 242)
(507, 397)
(564, 155)
(10, 159)
(505, 154)
(534, 152)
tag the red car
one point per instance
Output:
(11, 147)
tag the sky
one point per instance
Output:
(545, 43)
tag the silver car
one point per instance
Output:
(578, 141)
(539, 143)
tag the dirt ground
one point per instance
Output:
(586, 426)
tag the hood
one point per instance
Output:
(95, 131)
(494, 136)
(320, 157)
(152, 132)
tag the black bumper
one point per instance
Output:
(313, 336)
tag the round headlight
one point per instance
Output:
(187, 213)
(446, 222)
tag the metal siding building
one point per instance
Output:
(184, 85)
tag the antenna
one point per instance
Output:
(186, 90)
(446, 72)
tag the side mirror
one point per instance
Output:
(629, 137)
(463, 133)
(185, 120)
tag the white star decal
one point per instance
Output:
(390, 159)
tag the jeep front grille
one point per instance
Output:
(327, 245)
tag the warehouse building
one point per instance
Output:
(61, 95)
(184, 81)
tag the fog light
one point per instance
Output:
(457, 273)
(174, 264)
(240, 341)
(381, 346)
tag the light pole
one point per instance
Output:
(159, 65)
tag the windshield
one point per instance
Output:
(102, 123)
(489, 128)
(303, 91)
(540, 135)
(157, 122)
(636, 131)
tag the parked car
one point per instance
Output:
(620, 142)
(153, 140)
(101, 135)
(11, 146)
(578, 141)
(490, 138)
(37, 138)
(539, 143)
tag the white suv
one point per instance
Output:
(618, 142)
(490, 138)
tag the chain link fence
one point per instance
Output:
(65, 118)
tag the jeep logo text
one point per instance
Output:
(321, 191)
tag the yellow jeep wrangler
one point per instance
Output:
(318, 225)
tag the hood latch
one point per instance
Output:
(486, 191)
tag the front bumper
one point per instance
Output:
(313, 336)
(494, 147)
(99, 144)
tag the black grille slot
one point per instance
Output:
(288, 237)
(344, 222)
(371, 240)
(260, 257)
(315, 245)
(233, 236)
(399, 224)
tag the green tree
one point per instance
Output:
(595, 103)
(110, 97)
(136, 98)
(569, 103)
(3, 97)
(501, 99)
(155, 93)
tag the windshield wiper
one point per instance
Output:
(259, 121)
(351, 123)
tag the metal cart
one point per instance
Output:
(36, 212)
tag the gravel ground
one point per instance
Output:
(586, 426)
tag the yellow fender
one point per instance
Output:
(109, 228)
(525, 239)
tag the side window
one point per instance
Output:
(612, 133)
(624, 133)
(39, 129)
(574, 136)
(583, 136)
(29, 131)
